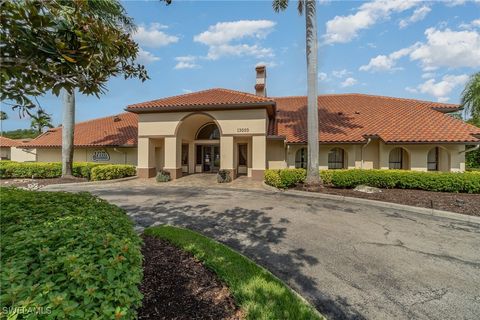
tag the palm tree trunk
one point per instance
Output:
(67, 132)
(313, 176)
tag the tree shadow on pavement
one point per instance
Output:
(251, 232)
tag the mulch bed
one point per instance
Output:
(455, 202)
(40, 182)
(177, 286)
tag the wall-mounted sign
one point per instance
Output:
(243, 129)
(100, 156)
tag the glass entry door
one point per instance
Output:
(211, 158)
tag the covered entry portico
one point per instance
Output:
(199, 139)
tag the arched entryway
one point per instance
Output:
(399, 159)
(438, 159)
(207, 155)
(337, 159)
(301, 158)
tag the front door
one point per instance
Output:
(211, 158)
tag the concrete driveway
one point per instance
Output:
(350, 261)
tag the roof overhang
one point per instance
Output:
(270, 106)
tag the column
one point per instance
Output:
(146, 158)
(173, 153)
(259, 152)
(226, 155)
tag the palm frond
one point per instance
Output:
(279, 5)
(300, 6)
(470, 99)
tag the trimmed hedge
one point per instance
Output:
(467, 182)
(44, 170)
(67, 256)
(112, 171)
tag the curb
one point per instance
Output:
(91, 183)
(381, 204)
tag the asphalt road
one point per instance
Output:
(350, 261)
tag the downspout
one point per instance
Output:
(471, 149)
(361, 152)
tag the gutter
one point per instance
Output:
(471, 149)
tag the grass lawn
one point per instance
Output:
(258, 292)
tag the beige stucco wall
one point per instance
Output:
(117, 155)
(376, 155)
(5, 153)
(177, 128)
(23, 155)
(276, 150)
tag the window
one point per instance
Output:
(199, 154)
(432, 160)
(242, 154)
(301, 158)
(395, 160)
(336, 158)
(184, 154)
(209, 132)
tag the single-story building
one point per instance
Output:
(12, 148)
(246, 133)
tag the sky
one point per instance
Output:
(415, 49)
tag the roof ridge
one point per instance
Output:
(244, 93)
(373, 96)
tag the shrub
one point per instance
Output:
(224, 176)
(112, 171)
(163, 176)
(73, 255)
(284, 178)
(468, 182)
(43, 170)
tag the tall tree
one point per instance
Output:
(64, 46)
(3, 115)
(470, 100)
(310, 8)
(41, 120)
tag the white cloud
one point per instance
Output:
(186, 62)
(221, 38)
(474, 24)
(269, 64)
(348, 82)
(322, 76)
(187, 91)
(418, 15)
(386, 63)
(342, 29)
(442, 88)
(443, 48)
(153, 36)
(340, 73)
(447, 48)
(428, 75)
(145, 57)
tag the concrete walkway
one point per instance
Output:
(352, 261)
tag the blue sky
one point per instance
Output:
(416, 49)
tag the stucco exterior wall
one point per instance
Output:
(117, 155)
(376, 155)
(23, 155)
(276, 150)
(5, 153)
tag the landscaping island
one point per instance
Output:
(449, 191)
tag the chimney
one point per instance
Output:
(261, 81)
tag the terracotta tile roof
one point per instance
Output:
(351, 117)
(211, 97)
(118, 130)
(7, 142)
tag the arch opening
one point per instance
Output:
(398, 159)
(301, 158)
(336, 159)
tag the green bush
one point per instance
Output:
(468, 182)
(112, 171)
(68, 256)
(163, 176)
(44, 170)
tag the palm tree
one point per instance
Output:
(471, 96)
(41, 120)
(3, 115)
(309, 6)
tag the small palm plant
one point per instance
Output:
(471, 96)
